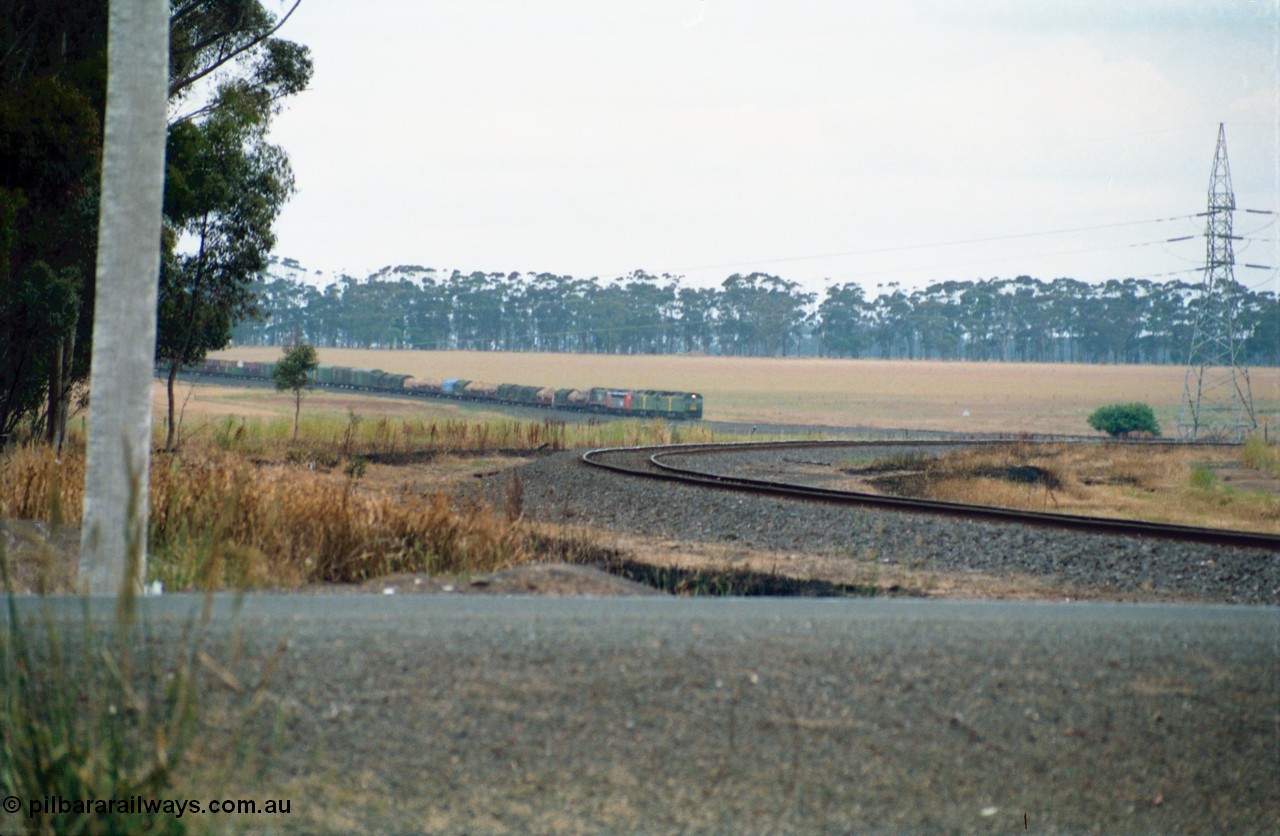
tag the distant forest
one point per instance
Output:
(1022, 319)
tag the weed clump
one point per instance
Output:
(1257, 453)
(1202, 478)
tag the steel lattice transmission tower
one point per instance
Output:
(1217, 402)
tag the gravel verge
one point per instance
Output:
(561, 489)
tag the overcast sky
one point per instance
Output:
(819, 140)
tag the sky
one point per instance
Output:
(823, 141)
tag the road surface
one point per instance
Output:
(439, 713)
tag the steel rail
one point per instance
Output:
(654, 467)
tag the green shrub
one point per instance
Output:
(1121, 419)
(1202, 478)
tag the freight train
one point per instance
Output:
(647, 403)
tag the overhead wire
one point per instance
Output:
(1248, 238)
(937, 244)
(1159, 242)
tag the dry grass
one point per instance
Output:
(360, 494)
(223, 519)
(999, 397)
(1164, 484)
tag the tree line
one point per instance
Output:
(1021, 319)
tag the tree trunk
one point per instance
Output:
(59, 409)
(55, 395)
(297, 410)
(170, 441)
(68, 360)
(114, 532)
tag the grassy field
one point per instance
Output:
(1004, 397)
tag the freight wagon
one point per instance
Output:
(679, 406)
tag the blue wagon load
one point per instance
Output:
(453, 387)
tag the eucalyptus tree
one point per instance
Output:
(546, 308)
(52, 97)
(478, 300)
(1262, 345)
(53, 56)
(1066, 303)
(843, 328)
(1113, 322)
(760, 314)
(645, 312)
(934, 324)
(696, 318)
(890, 317)
(1168, 325)
(295, 372)
(225, 183)
(429, 315)
(325, 319)
(224, 189)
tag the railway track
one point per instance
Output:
(659, 462)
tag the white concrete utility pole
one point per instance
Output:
(113, 547)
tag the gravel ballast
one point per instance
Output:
(562, 489)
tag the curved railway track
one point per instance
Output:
(656, 463)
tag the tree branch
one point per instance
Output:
(177, 86)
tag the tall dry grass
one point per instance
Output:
(1131, 482)
(243, 505)
(1257, 453)
(219, 519)
(331, 436)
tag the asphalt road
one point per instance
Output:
(410, 713)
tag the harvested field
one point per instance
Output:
(998, 397)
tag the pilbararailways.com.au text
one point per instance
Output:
(141, 805)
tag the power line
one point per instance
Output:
(1028, 256)
(936, 244)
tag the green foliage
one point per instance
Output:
(356, 467)
(760, 314)
(295, 372)
(1022, 319)
(38, 309)
(1202, 478)
(224, 187)
(49, 154)
(843, 327)
(1124, 418)
(225, 184)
